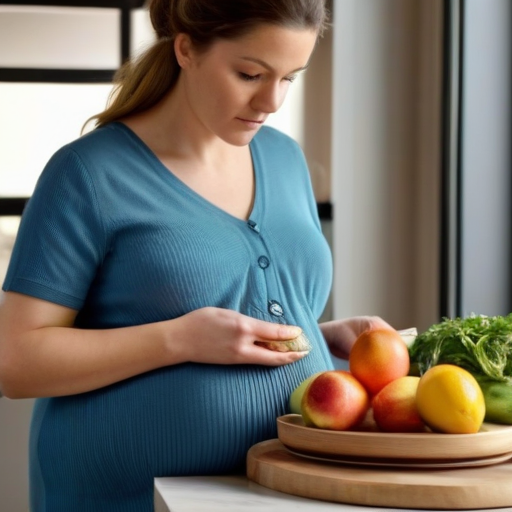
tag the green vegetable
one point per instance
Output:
(480, 344)
(498, 400)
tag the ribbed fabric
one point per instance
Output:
(111, 232)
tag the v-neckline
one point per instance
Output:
(256, 208)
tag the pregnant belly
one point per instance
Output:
(185, 420)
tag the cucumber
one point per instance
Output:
(498, 400)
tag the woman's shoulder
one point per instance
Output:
(97, 152)
(276, 147)
(269, 135)
(100, 141)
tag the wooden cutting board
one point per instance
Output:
(270, 464)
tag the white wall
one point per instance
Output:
(14, 426)
(386, 159)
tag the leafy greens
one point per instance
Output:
(480, 344)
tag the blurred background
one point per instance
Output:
(405, 119)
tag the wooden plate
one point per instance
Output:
(408, 463)
(492, 441)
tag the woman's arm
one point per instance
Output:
(42, 354)
(341, 335)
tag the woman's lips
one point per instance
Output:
(251, 123)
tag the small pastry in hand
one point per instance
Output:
(298, 344)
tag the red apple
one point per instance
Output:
(334, 400)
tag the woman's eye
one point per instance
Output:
(253, 78)
(248, 78)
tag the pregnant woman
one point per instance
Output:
(156, 254)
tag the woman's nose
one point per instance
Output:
(270, 97)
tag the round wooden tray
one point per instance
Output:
(272, 465)
(492, 441)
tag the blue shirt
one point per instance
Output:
(112, 233)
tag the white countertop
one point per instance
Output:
(237, 494)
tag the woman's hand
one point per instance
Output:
(222, 336)
(341, 335)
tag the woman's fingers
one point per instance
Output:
(267, 357)
(376, 322)
(268, 331)
(341, 335)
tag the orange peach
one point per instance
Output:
(334, 400)
(378, 357)
(394, 407)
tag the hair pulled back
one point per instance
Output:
(139, 84)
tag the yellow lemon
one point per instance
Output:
(450, 400)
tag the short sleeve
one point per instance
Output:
(61, 240)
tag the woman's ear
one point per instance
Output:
(183, 50)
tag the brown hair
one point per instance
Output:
(140, 84)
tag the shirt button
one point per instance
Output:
(263, 262)
(274, 308)
(253, 225)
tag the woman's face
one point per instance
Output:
(232, 87)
